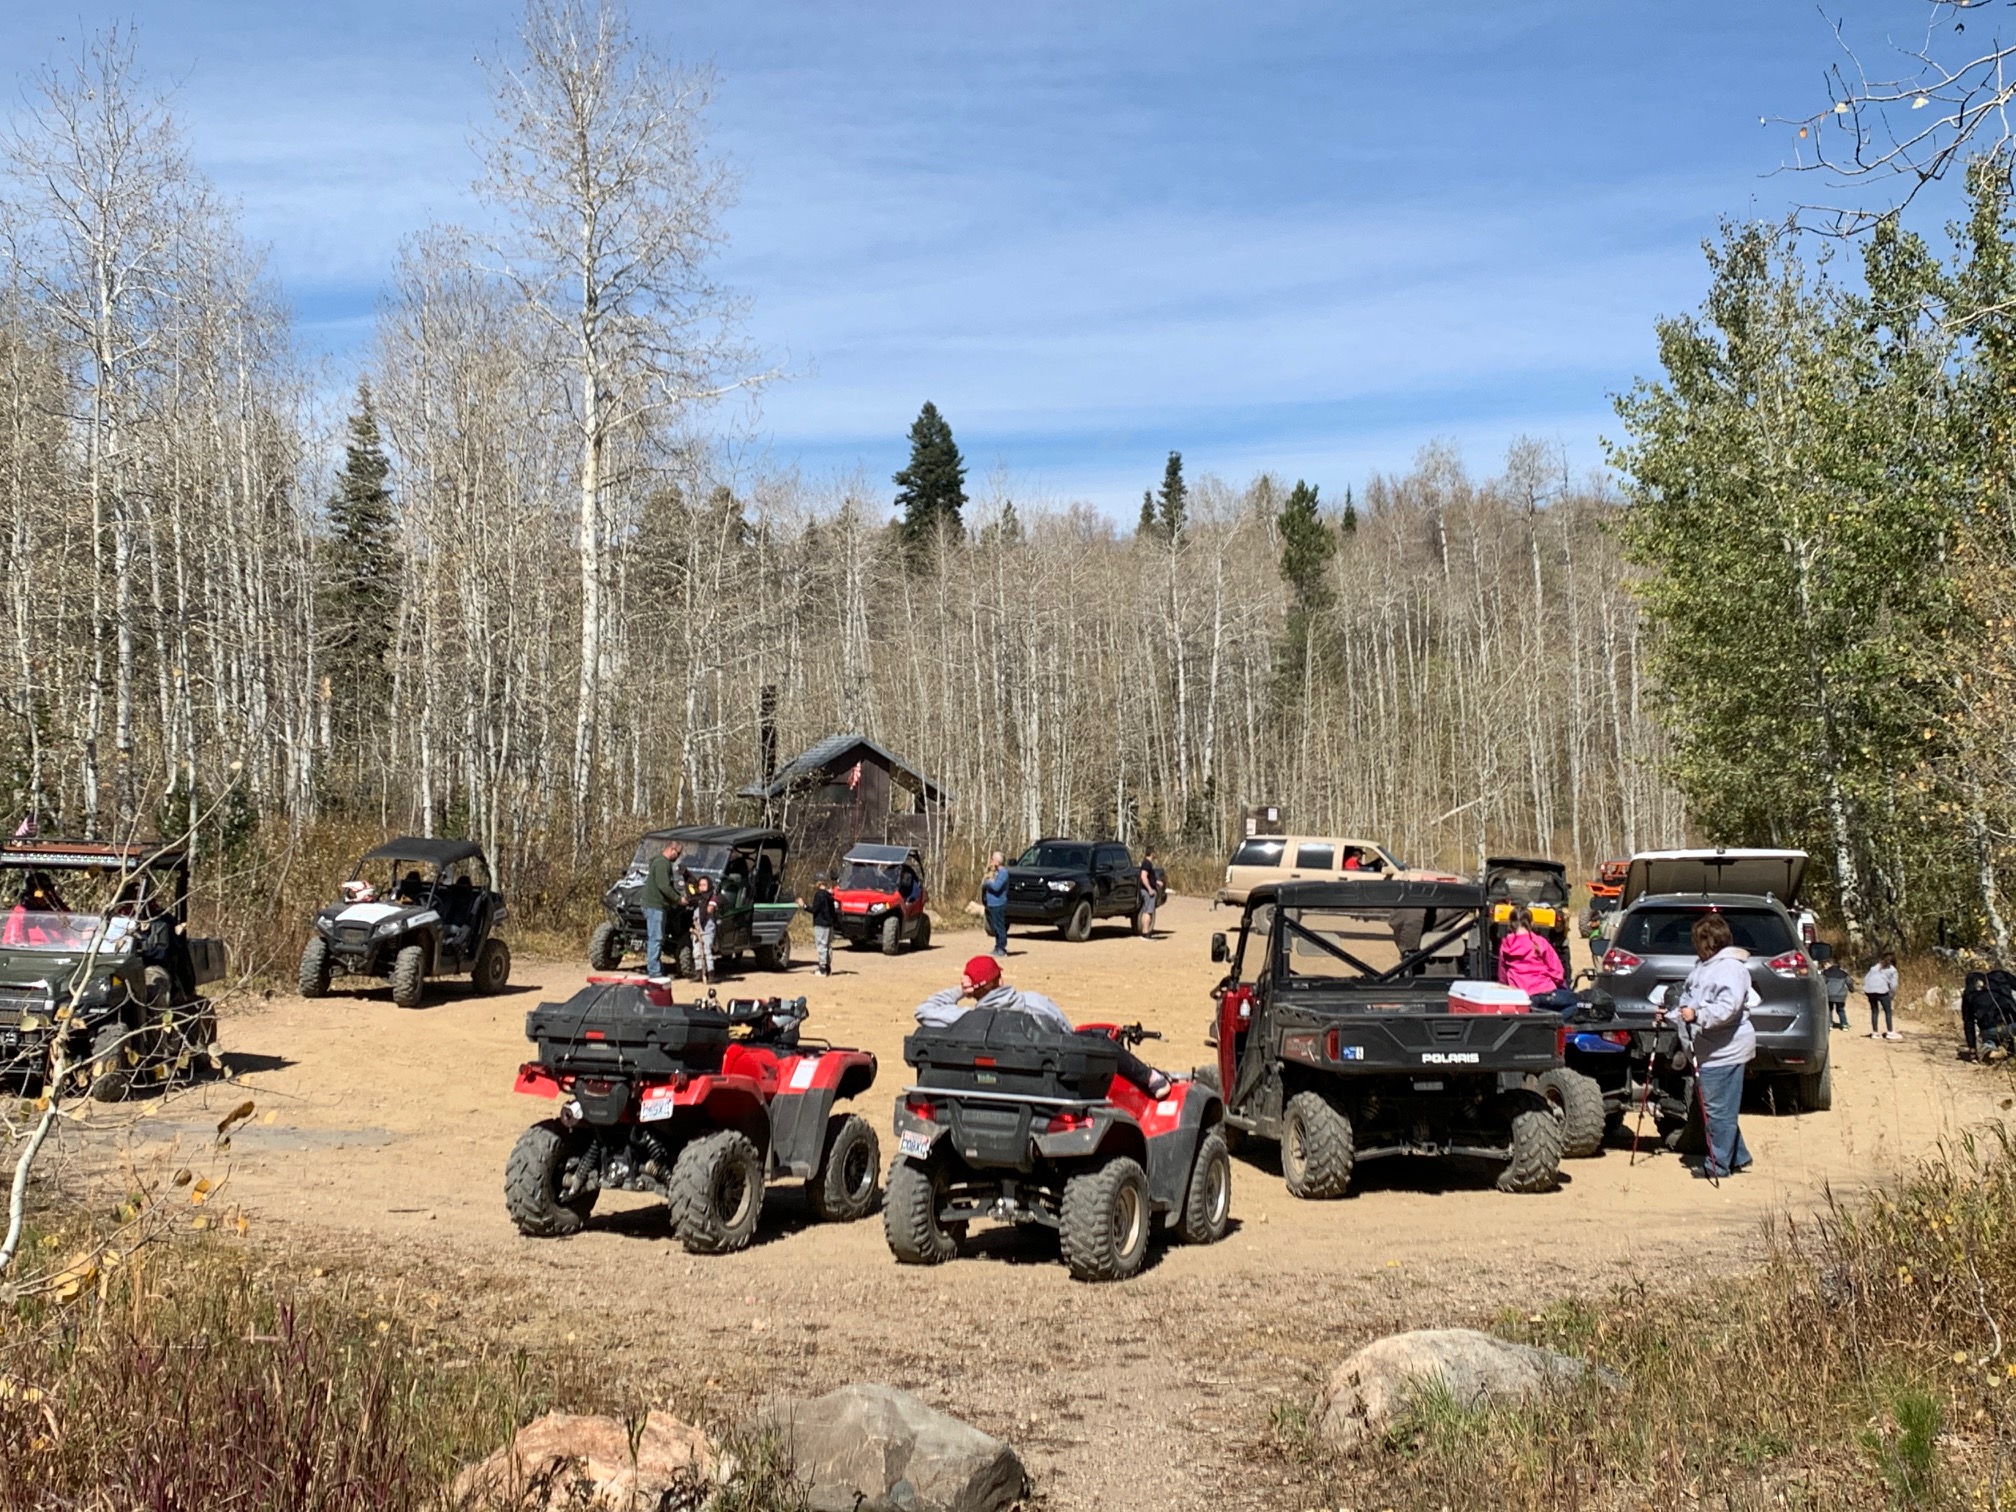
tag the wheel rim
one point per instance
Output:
(1221, 1191)
(1126, 1219)
(731, 1194)
(1294, 1157)
(857, 1171)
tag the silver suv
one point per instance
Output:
(1757, 891)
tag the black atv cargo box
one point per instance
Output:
(1002, 1051)
(614, 1026)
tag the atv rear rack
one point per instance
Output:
(967, 1095)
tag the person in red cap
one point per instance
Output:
(981, 981)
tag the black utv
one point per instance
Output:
(1360, 1020)
(413, 909)
(745, 864)
(100, 980)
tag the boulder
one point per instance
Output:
(563, 1460)
(877, 1449)
(1381, 1382)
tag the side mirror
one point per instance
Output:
(1220, 952)
(1823, 952)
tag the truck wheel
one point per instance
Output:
(113, 1057)
(1535, 1165)
(1078, 928)
(1138, 922)
(922, 939)
(1316, 1147)
(605, 947)
(493, 968)
(774, 957)
(1207, 1209)
(1579, 1102)
(910, 1215)
(717, 1193)
(409, 976)
(1106, 1221)
(892, 934)
(844, 1187)
(1816, 1093)
(532, 1178)
(315, 971)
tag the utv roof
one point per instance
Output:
(420, 848)
(715, 834)
(1368, 897)
(880, 855)
(37, 854)
(1525, 863)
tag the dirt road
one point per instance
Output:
(382, 1133)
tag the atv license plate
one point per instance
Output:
(655, 1104)
(914, 1145)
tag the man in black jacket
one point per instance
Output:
(825, 918)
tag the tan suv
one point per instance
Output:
(1313, 858)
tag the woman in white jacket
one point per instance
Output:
(1715, 1002)
(1879, 985)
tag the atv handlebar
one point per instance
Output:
(1134, 1034)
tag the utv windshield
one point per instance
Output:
(869, 876)
(1529, 886)
(1060, 856)
(389, 879)
(69, 933)
(1331, 948)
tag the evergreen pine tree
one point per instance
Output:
(1147, 525)
(1174, 498)
(1306, 548)
(357, 593)
(932, 489)
(1349, 524)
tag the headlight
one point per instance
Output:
(1061, 886)
(878, 908)
(390, 926)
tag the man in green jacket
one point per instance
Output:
(662, 893)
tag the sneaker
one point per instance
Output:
(1159, 1086)
(1874, 1035)
(1892, 1034)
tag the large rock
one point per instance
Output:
(562, 1460)
(877, 1449)
(1381, 1382)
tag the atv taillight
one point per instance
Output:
(1620, 960)
(1791, 964)
(1617, 1036)
(1067, 1123)
(921, 1107)
(1331, 1041)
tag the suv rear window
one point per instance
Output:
(1670, 931)
(1258, 852)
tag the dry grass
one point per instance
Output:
(1871, 1363)
(192, 1377)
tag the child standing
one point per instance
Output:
(1879, 985)
(825, 916)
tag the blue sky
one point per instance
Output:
(1302, 237)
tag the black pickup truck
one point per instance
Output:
(1347, 1033)
(1069, 883)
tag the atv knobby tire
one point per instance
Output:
(605, 948)
(409, 976)
(922, 939)
(892, 933)
(315, 970)
(493, 968)
(1535, 1165)
(532, 1183)
(114, 1054)
(1816, 1093)
(844, 1187)
(1579, 1101)
(682, 963)
(717, 1193)
(1078, 927)
(774, 957)
(1316, 1147)
(1207, 1207)
(910, 1215)
(1106, 1221)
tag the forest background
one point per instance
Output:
(528, 590)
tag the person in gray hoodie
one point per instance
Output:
(1715, 1008)
(981, 982)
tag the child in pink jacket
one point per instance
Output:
(1527, 960)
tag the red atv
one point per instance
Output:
(698, 1103)
(881, 898)
(1018, 1122)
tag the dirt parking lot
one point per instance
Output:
(381, 1135)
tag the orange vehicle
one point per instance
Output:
(1605, 893)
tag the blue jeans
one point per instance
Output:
(997, 924)
(1721, 1100)
(1879, 1004)
(654, 942)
